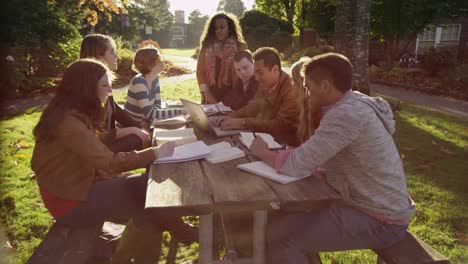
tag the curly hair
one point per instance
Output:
(145, 59)
(77, 91)
(209, 35)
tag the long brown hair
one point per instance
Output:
(78, 92)
(95, 45)
(209, 34)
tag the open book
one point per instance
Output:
(187, 152)
(247, 138)
(180, 136)
(218, 108)
(222, 151)
(265, 170)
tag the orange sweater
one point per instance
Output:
(68, 165)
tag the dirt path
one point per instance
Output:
(449, 106)
(446, 105)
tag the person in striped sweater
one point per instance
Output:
(144, 94)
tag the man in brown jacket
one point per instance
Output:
(274, 109)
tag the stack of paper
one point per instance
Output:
(216, 108)
(247, 138)
(221, 152)
(264, 170)
(187, 152)
(180, 136)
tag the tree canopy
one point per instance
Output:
(232, 6)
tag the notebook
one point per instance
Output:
(187, 152)
(200, 119)
(246, 138)
(180, 136)
(262, 169)
(222, 151)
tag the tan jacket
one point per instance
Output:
(68, 165)
(276, 114)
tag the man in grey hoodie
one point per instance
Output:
(358, 159)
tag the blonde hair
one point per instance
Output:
(145, 59)
(306, 116)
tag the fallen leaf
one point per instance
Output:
(434, 143)
(15, 162)
(446, 151)
(32, 174)
(8, 245)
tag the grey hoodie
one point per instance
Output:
(354, 145)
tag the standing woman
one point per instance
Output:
(79, 177)
(220, 41)
(132, 135)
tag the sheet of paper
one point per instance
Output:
(262, 169)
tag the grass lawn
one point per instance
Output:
(179, 52)
(433, 147)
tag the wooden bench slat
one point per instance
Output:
(411, 250)
(64, 244)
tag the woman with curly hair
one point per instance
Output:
(220, 41)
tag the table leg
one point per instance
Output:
(205, 233)
(259, 234)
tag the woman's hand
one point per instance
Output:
(141, 133)
(165, 150)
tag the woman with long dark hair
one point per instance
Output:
(220, 41)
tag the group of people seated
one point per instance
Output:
(85, 142)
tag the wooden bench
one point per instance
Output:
(411, 250)
(66, 245)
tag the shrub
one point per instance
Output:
(195, 55)
(261, 30)
(125, 61)
(434, 60)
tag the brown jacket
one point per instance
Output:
(276, 114)
(69, 164)
(201, 70)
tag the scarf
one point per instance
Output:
(226, 54)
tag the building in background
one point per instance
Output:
(179, 31)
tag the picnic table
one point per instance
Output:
(203, 189)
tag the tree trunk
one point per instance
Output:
(352, 38)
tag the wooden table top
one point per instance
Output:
(198, 187)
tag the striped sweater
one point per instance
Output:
(354, 145)
(144, 101)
